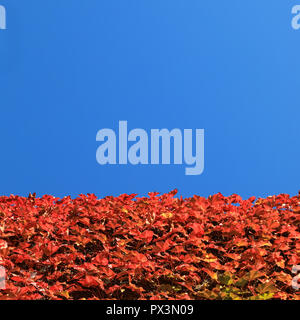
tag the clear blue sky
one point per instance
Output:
(69, 68)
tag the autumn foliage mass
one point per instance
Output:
(155, 247)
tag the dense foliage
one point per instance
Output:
(156, 247)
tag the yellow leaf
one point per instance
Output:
(167, 215)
